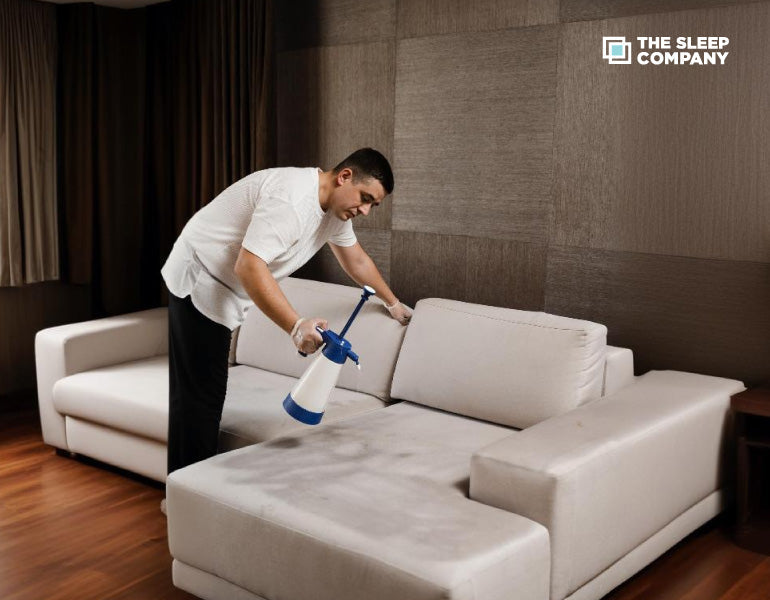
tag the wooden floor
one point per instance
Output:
(75, 529)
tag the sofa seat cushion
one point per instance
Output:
(375, 506)
(502, 365)
(254, 411)
(133, 397)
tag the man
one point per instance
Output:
(230, 254)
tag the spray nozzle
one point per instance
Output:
(354, 357)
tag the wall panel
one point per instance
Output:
(586, 10)
(666, 159)
(494, 272)
(474, 134)
(705, 316)
(418, 18)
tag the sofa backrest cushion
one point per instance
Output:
(375, 336)
(502, 365)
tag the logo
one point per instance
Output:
(617, 50)
(703, 50)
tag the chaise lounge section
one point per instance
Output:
(525, 462)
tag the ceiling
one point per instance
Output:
(112, 3)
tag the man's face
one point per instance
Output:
(349, 199)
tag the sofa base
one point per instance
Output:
(210, 587)
(651, 549)
(207, 586)
(118, 448)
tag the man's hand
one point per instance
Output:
(400, 312)
(305, 336)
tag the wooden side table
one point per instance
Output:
(752, 414)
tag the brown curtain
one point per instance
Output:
(210, 89)
(28, 230)
(101, 167)
(162, 107)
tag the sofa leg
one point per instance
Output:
(64, 453)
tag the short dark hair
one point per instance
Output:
(366, 163)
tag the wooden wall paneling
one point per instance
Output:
(307, 23)
(504, 273)
(666, 159)
(332, 101)
(474, 134)
(484, 271)
(587, 10)
(704, 316)
(428, 265)
(417, 18)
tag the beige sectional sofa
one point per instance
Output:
(524, 462)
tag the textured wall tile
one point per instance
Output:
(306, 23)
(704, 316)
(324, 266)
(503, 273)
(425, 265)
(587, 10)
(666, 159)
(332, 101)
(542, 12)
(430, 17)
(474, 133)
(494, 272)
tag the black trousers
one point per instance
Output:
(198, 350)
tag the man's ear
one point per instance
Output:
(344, 175)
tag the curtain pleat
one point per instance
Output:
(28, 195)
(163, 108)
(102, 112)
(218, 98)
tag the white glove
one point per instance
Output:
(305, 336)
(400, 312)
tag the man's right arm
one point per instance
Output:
(264, 290)
(267, 295)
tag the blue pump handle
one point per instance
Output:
(368, 291)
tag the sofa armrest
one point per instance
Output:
(618, 369)
(606, 476)
(77, 347)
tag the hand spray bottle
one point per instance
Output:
(307, 400)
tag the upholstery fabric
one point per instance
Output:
(651, 450)
(133, 397)
(618, 369)
(125, 450)
(506, 366)
(254, 411)
(371, 507)
(375, 336)
(651, 548)
(206, 585)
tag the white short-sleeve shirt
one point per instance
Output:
(275, 214)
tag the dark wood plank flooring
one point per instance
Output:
(78, 529)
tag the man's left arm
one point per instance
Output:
(361, 268)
